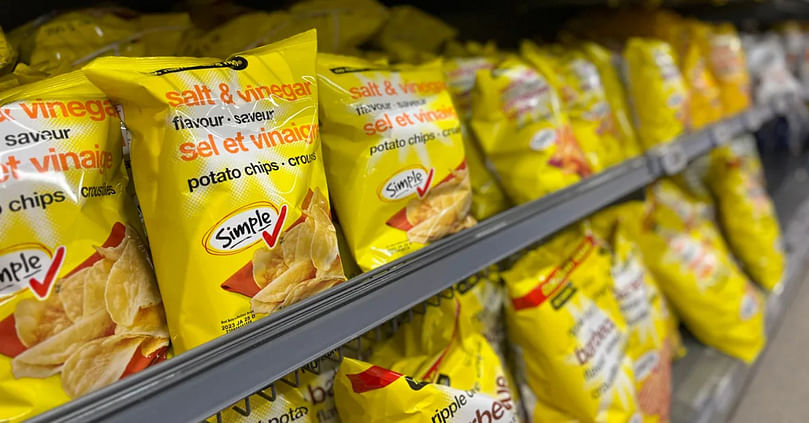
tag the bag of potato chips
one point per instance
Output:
(615, 93)
(705, 104)
(161, 33)
(373, 394)
(7, 53)
(518, 120)
(228, 170)
(341, 24)
(746, 211)
(394, 156)
(657, 91)
(583, 98)
(409, 32)
(241, 33)
(729, 66)
(568, 333)
(79, 306)
(487, 196)
(699, 277)
(311, 401)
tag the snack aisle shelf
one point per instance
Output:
(708, 384)
(198, 383)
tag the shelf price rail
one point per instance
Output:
(200, 382)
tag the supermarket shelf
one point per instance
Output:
(707, 384)
(200, 382)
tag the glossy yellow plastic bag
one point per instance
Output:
(161, 33)
(394, 156)
(7, 53)
(657, 91)
(746, 212)
(697, 274)
(410, 31)
(518, 120)
(312, 401)
(729, 66)
(243, 32)
(369, 393)
(487, 196)
(228, 169)
(568, 333)
(616, 96)
(79, 306)
(584, 101)
(341, 24)
(705, 105)
(73, 39)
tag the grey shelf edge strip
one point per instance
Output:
(200, 382)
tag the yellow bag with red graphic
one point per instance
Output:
(652, 341)
(369, 393)
(228, 170)
(657, 91)
(394, 156)
(728, 64)
(705, 104)
(746, 212)
(568, 333)
(697, 274)
(79, 306)
(518, 120)
(487, 196)
(615, 95)
(584, 101)
(312, 401)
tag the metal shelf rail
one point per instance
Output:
(708, 384)
(200, 382)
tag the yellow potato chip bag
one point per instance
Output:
(341, 24)
(615, 93)
(705, 104)
(697, 274)
(583, 98)
(394, 156)
(651, 339)
(312, 401)
(79, 306)
(71, 40)
(728, 64)
(228, 169)
(161, 33)
(657, 91)
(487, 196)
(369, 393)
(243, 32)
(518, 120)
(410, 31)
(7, 53)
(568, 333)
(746, 212)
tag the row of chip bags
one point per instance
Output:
(151, 204)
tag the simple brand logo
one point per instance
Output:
(245, 227)
(30, 266)
(407, 182)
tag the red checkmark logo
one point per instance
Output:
(42, 289)
(422, 191)
(272, 238)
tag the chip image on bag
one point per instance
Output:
(79, 305)
(394, 156)
(569, 334)
(518, 120)
(370, 393)
(228, 170)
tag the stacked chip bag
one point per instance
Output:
(394, 156)
(578, 82)
(228, 169)
(705, 104)
(7, 53)
(243, 32)
(162, 33)
(79, 305)
(412, 35)
(653, 334)
(746, 211)
(657, 91)
(487, 196)
(729, 66)
(311, 401)
(561, 292)
(366, 392)
(615, 94)
(518, 120)
(686, 254)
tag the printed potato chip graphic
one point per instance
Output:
(394, 156)
(518, 120)
(227, 166)
(79, 305)
(369, 393)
